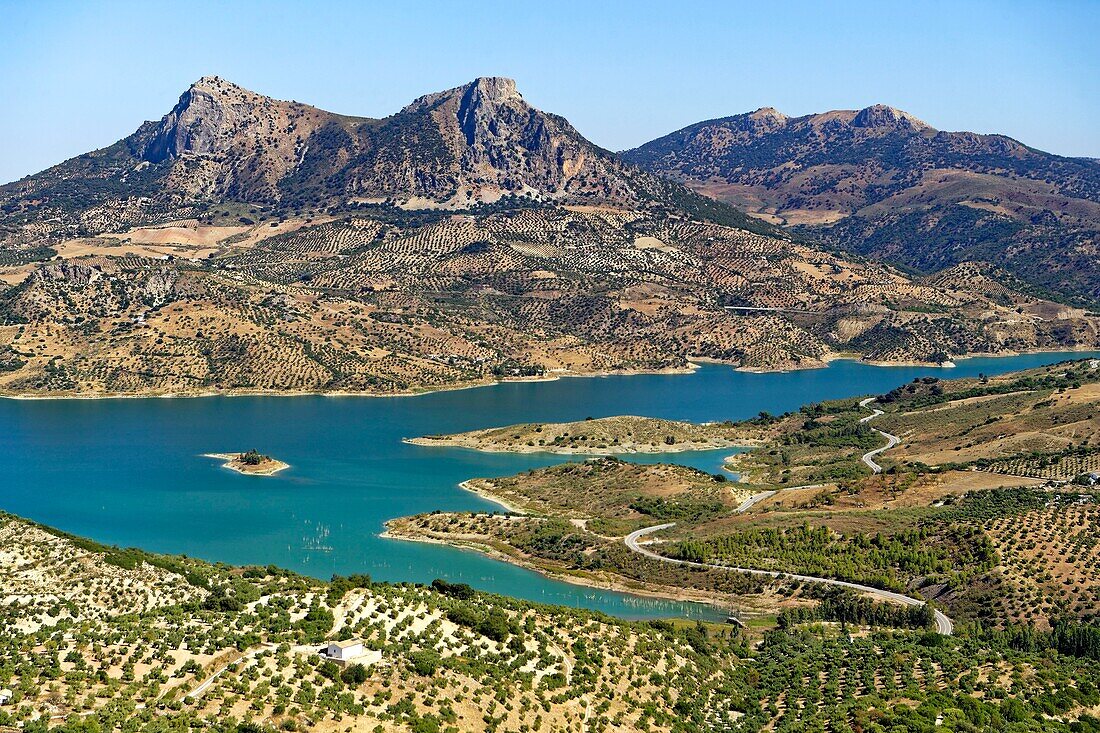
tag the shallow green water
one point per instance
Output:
(130, 471)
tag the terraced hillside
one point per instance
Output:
(1042, 423)
(882, 183)
(384, 301)
(175, 644)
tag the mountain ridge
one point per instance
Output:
(882, 183)
(470, 145)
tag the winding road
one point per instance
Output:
(943, 623)
(891, 440)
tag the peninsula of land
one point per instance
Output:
(605, 436)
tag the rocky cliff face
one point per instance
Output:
(477, 143)
(201, 123)
(222, 140)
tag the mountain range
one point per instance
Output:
(247, 244)
(882, 183)
(471, 145)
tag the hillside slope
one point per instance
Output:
(385, 302)
(880, 182)
(246, 244)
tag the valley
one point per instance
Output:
(782, 424)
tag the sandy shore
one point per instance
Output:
(269, 467)
(468, 486)
(692, 365)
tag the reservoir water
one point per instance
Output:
(130, 471)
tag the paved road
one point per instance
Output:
(943, 623)
(754, 500)
(762, 495)
(891, 440)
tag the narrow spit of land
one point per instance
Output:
(621, 434)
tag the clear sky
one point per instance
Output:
(75, 76)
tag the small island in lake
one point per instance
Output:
(252, 463)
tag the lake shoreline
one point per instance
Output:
(643, 591)
(467, 485)
(692, 367)
(85, 467)
(694, 363)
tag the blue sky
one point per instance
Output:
(75, 76)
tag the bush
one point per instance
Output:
(329, 669)
(462, 591)
(354, 674)
(495, 626)
(425, 662)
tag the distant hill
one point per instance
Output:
(881, 182)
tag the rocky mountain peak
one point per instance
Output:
(768, 114)
(485, 90)
(495, 89)
(203, 115)
(881, 115)
(214, 84)
(212, 116)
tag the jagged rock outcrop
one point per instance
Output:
(66, 272)
(473, 144)
(222, 140)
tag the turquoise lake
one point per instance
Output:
(130, 471)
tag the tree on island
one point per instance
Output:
(252, 458)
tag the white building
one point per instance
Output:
(342, 651)
(5, 697)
